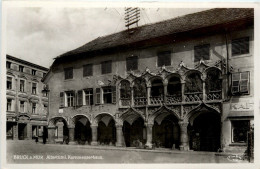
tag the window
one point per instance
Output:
(240, 83)
(88, 97)
(8, 65)
(240, 46)
(132, 63)
(164, 58)
(44, 93)
(70, 99)
(21, 68)
(88, 70)
(239, 130)
(106, 67)
(34, 88)
(201, 52)
(9, 83)
(33, 72)
(68, 73)
(9, 105)
(22, 82)
(107, 95)
(33, 108)
(43, 74)
(22, 106)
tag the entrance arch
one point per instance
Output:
(82, 130)
(61, 133)
(205, 131)
(166, 131)
(106, 131)
(133, 130)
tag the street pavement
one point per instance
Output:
(25, 151)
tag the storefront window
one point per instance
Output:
(239, 130)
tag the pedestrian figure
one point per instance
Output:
(36, 139)
(44, 137)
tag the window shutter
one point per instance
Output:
(244, 82)
(114, 94)
(235, 83)
(80, 98)
(62, 99)
(98, 96)
(74, 98)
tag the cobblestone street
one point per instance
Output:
(30, 152)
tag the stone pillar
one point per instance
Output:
(60, 130)
(148, 94)
(71, 135)
(51, 135)
(165, 92)
(184, 136)
(183, 91)
(29, 131)
(119, 136)
(204, 94)
(149, 132)
(132, 97)
(94, 134)
(15, 131)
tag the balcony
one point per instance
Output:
(171, 99)
(140, 101)
(193, 97)
(214, 95)
(156, 100)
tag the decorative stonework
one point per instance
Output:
(188, 108)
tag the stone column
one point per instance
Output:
(165, 92)
(132, 97)
(60, 130)
(29, 131)
(184, 136)
(71, 135)
(15, 131)
(148, 94)
(149, 132)
(183, 91)
(51, 135)
(119, 136)
(94, 134)
(204, 94)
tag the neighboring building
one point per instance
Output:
(182, 83)
(26, 99)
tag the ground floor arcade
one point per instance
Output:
(201, 132)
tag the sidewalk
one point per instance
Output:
(104, 147)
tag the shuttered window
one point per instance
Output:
(106, 67)
(132, 63)
(88, 70)
(98, 95)
(80, 98)
(240, 83)
(70, 98)
(240, 46)
(62, 100)
(201, 52)
(68, 73)
(164, 58)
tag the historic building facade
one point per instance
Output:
(26, 99)
(184, 83)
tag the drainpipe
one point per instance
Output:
(227, 71)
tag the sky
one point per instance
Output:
(38, 35)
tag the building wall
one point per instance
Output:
(15, 116)
(182, 51)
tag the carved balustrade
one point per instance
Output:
(214, 95)
(170, 99)
(140, 101)
(193, 97)
(156, 100)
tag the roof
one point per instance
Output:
(172, 26)
(26, 62)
